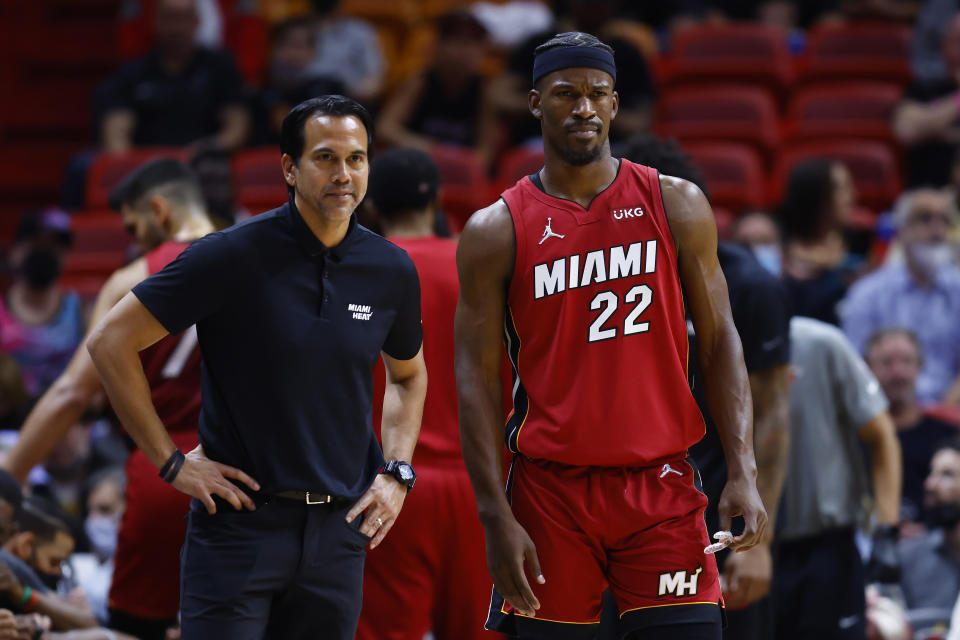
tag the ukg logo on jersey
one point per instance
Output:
(623, 214)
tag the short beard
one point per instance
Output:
(580, 158)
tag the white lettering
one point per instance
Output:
(549, 281)
(594, 267)
(678, 584)
(630, 264)
(651, 266)
(574, 272)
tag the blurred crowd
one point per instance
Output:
(886, 280)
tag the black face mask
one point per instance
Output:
(40, 268)
(944, 516)
(49, 579)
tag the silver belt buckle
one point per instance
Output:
(324, 499)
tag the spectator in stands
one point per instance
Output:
(816, 206)
(447, 104)
(178, 94)
(93, 571)
(31, 559)
(922, 293)
(348, 50)
(926, 48)
(759, 232)
(40, 323)
(835, 406)
(931, 563)
(11, 499)
(290, 78)
(508, 92)
(895, 357)
(925, 121)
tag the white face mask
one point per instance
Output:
(930, 258)
(768, 255)
(102, 533)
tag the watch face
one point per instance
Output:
(406, 472)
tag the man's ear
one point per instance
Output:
(533, 103)
(616, 105)
(160, 210)
(21, 545)
(289, 169)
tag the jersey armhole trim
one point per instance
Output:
(519, 255)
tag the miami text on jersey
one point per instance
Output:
(601, 265)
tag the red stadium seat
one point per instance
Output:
(729, 113)
(463, 183)
(734, 174)
(258, 179)
(855, 110)
(99, 232)
(109, 169)
(872, 164)
(516, 163)
(865, 51)
(743, 53)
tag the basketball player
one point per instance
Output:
(419, 580)
(587, 265)
(162, 204)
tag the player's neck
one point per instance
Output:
(578, 183)
(330, 232)
(193, 227)
(417, 225)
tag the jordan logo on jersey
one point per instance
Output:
(548, 233)
(620, 214)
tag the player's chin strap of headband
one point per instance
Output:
(568, 57)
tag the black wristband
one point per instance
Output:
(171, 468)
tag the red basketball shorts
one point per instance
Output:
(146, 575)
(430, 573)
(638, 531)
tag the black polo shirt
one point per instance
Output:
(289, 330)
(761, 311)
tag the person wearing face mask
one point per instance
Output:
(921, 293)
(93, 571)
(931, 563)
(758, 232)
(41, 325)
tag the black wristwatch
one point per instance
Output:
(402, 471)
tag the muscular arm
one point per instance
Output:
(70, 395)
(403, 397)
(719, 352)
(880, 436)
(114, 346)
(63, 615)
(485, 259)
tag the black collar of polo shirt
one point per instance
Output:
(309, 242)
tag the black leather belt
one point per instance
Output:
(310, 497)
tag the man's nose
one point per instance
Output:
(340, 174)
(584, 108)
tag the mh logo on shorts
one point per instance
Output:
(360, 311)
(677, 584)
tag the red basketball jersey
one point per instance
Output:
(172, 365)
(595, 327)
(436, 262)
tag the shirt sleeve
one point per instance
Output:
(192, 287)
(859, 394)
(406, 335)
(228, 82)
(118, 91)
(764, 323)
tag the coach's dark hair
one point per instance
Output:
(666, 156)
(42, 518)
(292, 137)
(173, 179)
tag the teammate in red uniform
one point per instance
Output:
(586, 266)
(426, 578)
(163, 206)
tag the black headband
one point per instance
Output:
(568, 57)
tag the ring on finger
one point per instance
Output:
(379, 522)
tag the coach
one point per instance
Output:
(292, 309)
